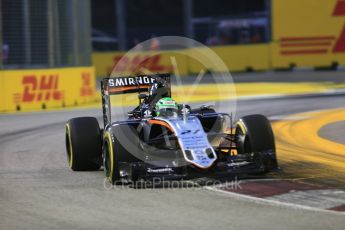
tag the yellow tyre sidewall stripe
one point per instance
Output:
(111, 155)
(70, 160)
(242, 127)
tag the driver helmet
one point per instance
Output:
(166, 107)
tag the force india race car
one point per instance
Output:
(161, 138)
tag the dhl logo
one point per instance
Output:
(39, 88)
(138, 63)
(316, 45)
(86, 89)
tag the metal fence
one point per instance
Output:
(45, 33)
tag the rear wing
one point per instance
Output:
(130, 84)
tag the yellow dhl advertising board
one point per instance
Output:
(235, 58)
(308, 33)
(182, 62)
(121, 63)
(46, 88)
(305, 33)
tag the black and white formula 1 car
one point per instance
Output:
(161, 138)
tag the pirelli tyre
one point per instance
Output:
(119, 142)
(254, 135)
(83, 144)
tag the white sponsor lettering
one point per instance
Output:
(146, 80)
(111, 82)
(238, 164)
(119, 82)
(159, 170)
(130, 81)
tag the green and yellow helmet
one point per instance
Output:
(166, 107)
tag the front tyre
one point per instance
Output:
(254, 135)
(83, 144)
(119, 141)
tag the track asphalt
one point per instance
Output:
(38, 191)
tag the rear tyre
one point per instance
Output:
(83, 144)
(255, 136)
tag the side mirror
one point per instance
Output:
(181, 106)
(207, 107)
(185, 109)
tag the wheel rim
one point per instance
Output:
(243, 140)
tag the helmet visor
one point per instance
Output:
(167, 112)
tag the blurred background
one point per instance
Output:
(53, 50)
(41, 33)
(217, 22)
